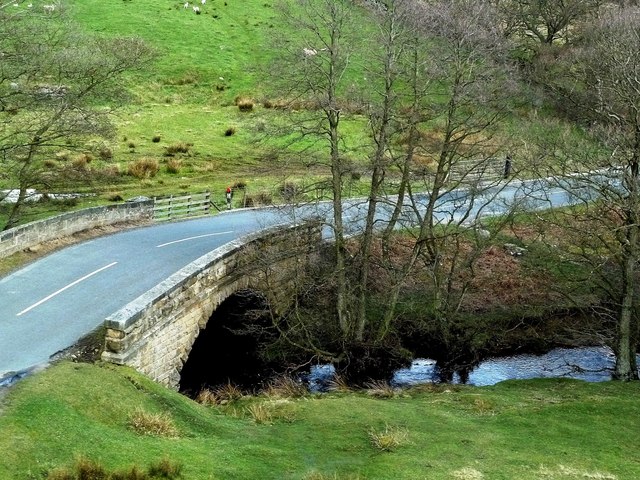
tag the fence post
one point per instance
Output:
(207, 202)
(155, 204)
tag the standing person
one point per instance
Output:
(507, 167)
(229, 194)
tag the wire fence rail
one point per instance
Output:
(175, 207)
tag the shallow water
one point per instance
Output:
(592, 364)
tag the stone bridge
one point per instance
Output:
(155, 333)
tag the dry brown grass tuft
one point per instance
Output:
(260, 414)
(273, 410)
(143, 168)
(380, 389)
(174, 165)
(207, 397)
(388, 439)
(339, 384)
(244, 104)
(179, 147)
(158, 424)
(286, 386)
(228, 393)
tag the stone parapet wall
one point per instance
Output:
(155, 333)
(40, 231)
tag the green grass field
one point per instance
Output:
(543, 430)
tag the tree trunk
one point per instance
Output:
(16, 209)
(626, 368)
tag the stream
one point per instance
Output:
(591, 364)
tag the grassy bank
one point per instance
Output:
(547, 429)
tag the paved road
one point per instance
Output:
(51, 303)
(48, 305)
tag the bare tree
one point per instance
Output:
(544, 21)
(312, 71)
(602, 77)
(472, 83)
(390, 71)
(613, 69)
(437, 85)
(475, 81)
(54, 85)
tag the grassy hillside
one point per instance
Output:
(186, 101)
(229, 39)
(187, 96)
(547, 429)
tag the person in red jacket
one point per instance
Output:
(229, 194)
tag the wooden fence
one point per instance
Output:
(176, 207)
(474, 171)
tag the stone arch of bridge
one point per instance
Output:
(156, 332)
(226, 349)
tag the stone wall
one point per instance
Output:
(155, 333)
(35, 233)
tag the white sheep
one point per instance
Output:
(49, 8)
(203, 2)
(197, 10)
(309, 52)
(186, 5)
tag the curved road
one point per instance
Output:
(48, 305)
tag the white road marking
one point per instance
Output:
(65, 288)
(193, 238)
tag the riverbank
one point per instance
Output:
(543, 429)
